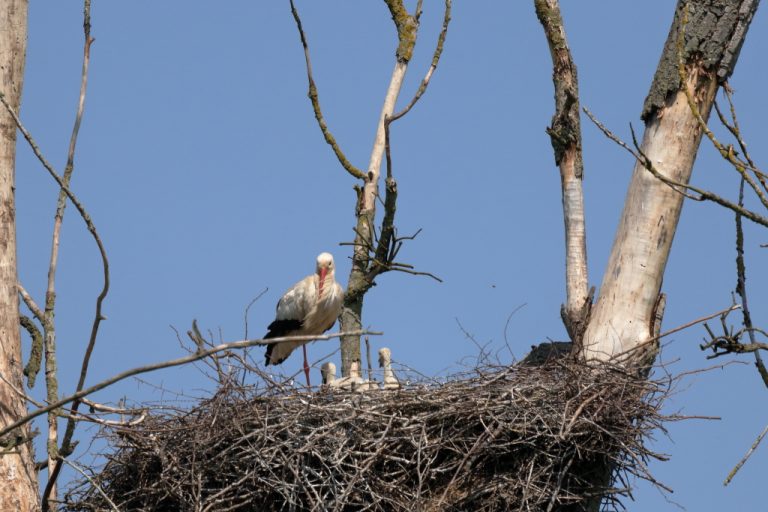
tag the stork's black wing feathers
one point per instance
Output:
(278, 329)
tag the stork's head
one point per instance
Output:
(325, 267)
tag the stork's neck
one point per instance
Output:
(324, 286)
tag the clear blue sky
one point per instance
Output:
(205, 172)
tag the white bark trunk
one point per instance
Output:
(576, 277)
(350, 316)
(18, 480)
(370, 190)
(622, 317)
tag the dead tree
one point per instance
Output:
(18, 479)
(700, 54)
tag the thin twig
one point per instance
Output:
(702, 195)
(726, 152)
(93, 483)
(746, 456)
(31, 304)
(679, 328)
(433, 66)
(50, 296)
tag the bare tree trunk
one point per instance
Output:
(565, 134)
(623, 316)
(18, 480)
(358, 282)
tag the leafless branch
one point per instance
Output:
(746, 456)
(313, 97)
(92, 482)
(168, 364)
(49, 326)
(433, 66)
(727, 152)
(30, 302)
(565, 135)
(21, 394)
(680, 328)
(682, 188)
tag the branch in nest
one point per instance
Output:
(168, 364)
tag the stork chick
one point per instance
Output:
(385, 362)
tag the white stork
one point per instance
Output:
(385, 362)
(309, 307)
(328, 371)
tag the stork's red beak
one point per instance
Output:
(323, 272)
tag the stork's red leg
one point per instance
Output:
(306, 365)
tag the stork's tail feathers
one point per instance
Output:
(278, 329)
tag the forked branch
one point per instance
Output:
(314, 98)
(689, 191)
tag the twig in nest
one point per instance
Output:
(486, 443)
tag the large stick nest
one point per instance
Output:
(549, 437)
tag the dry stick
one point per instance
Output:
(681, 188)
(30, 302)
(746, 456)
(93, 483)
(741, 289)
(435, 59)
(312, 94)
(368, 357)
(565, 135)
(678, 329)
(736, 132)
(78, 205)
(54, 461)
(171, 363)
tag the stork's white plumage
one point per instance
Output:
(385, 362)
(310, 307)
(353, 382)
(328, 371)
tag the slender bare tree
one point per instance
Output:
(374, 251)
(18, 480)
